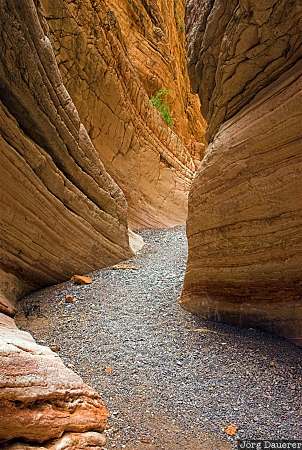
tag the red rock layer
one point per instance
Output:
(99, 63)
(245, 212)
(37, 405)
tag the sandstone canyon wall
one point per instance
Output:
(154, 33)
(113, 55)
(60, 210)
(245, 207)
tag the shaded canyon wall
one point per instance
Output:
(60, 210)
(245, 207)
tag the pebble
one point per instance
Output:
(70, 299)
(54, 347)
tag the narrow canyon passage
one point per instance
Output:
(169, 379)
(120, 115)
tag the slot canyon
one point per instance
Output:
(151, 223)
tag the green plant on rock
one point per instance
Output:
(158, 100)
(180, 24)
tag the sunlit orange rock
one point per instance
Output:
(113, 56)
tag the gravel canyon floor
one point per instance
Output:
(170, 380)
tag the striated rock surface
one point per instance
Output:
(245, 217)
(61, 212)
(113, 56)
(154, 34)
(41, 400)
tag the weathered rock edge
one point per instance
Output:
(41, 400)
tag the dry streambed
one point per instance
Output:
(170, 380)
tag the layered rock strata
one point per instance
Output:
(61, 212)
(245, 218)
(37, 405)
(154, 34)
(100, 48)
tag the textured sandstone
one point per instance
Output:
(61, 213)
(236, 48)
(154, 33)
(36, 404)
(245, 211)
(100, 48)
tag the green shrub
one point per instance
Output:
(158, 100)
(180, 24)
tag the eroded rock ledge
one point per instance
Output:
(245, 217)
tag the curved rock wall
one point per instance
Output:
(235, 49)
(245, 218)
(154, 33)
(61, 211)
(99, 62)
